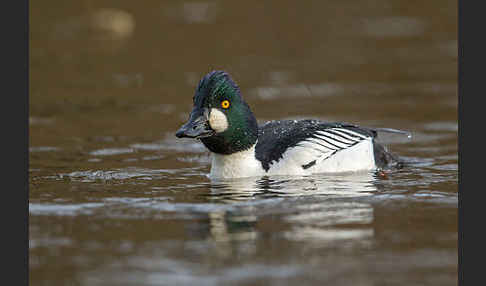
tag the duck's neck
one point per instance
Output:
(238, 164)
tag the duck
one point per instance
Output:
(240, 147)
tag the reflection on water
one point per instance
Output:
(222, 235)
(311, 220)
(342, 185)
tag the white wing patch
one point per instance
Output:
(329, 150)
(330, 141)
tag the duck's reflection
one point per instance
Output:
(233, 234)
(225, 227)
(318, 210)
(339, 185)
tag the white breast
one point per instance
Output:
(240, 164)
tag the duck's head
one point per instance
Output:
(220, 118)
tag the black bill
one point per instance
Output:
(197, 126)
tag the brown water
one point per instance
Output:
(116, 199)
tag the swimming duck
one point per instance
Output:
(225, 124)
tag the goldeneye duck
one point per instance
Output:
(225, 124)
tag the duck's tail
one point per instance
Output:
(385, 159)
(396, 131)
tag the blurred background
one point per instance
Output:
(115, 199)
(120, 65)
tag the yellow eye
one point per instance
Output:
(225, 104)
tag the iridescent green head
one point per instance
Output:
(220, 118)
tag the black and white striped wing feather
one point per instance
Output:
(306, 142)
(325, 143)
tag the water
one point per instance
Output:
(116, 199)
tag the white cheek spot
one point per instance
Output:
(217, 120)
